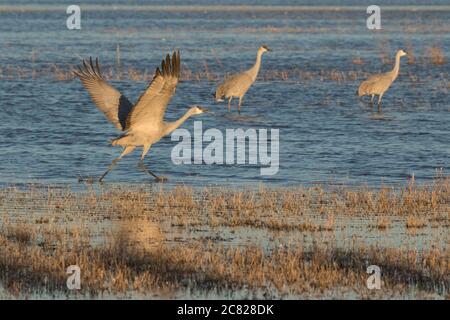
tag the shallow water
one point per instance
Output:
(52, 133)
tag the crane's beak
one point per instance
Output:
(206, 110)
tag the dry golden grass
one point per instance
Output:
(357, 61)
(381, 223)
(120, 269)
(234, 207)
(20, 233)
(411, 56)
(416, 222)
(436, 55)
(119, 236)
(206, 72)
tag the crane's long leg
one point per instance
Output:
(125, 151)
(229, 104)
(144, 168)
(239, 105)
(379, 101)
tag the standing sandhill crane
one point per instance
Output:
(237, 85)
(379, 83)
(143, 124)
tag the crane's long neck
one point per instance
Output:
(171, 126)
(253, 71)
(396, 68)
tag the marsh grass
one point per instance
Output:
(411, 54)
(21, 233)
(293, 75)
(381, 223)
(119, 269)
(357, 60)
(115, 235)
(212, 70)
(436, 55)
(416, 222)
(230, 206)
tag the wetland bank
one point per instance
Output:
(154, 241)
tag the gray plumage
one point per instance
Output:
(143, 124)
(237, 85)
(379, 83)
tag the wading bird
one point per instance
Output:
(143, 124)
(237, 85)
(379, 83)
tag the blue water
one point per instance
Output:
(51, 132)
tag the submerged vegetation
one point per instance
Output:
(155, 241)
(205, 71)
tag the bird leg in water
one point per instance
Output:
(229, 104)
(144, 168)
(379, 101)
(126, 151)
(239, 105)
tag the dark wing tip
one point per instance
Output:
(170, 66)
(91, 67)
(163, 67)
(84, 64)
(89, 70)
(97, 65)
(176, 63)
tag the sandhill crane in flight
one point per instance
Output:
(143, 124)
(378, 84)
(237, 85)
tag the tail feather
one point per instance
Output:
(219, 93)
(363, 89)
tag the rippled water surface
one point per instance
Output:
(52, 133)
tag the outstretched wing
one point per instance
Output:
(151, 106)
(111, 102)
